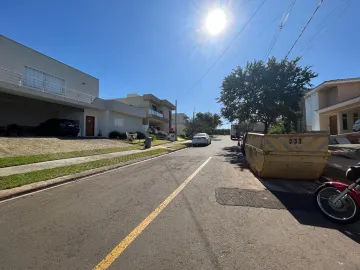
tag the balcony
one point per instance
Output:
(18, 79)
(156, 115)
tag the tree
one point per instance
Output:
(203, 122)
(265, 92)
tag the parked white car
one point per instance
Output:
(356, 126)
(201, 139)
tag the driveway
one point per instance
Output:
(210, 213)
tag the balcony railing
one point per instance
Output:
(18, 79)
(153, 112)
(157, 115)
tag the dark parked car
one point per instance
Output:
(58, 127)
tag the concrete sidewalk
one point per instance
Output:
(70, 161)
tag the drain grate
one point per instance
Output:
(264, 199)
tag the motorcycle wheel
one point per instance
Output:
(344, 211)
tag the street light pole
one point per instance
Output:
(175, 120)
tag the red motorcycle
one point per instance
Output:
(338, 201)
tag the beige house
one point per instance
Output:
(333, 105)
(158, 111)
(181, 120)
(35, 87)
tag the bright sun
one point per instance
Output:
(215, 21)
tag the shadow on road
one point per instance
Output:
(296, 196)
(233, 155)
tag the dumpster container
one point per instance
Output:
(148, 142)
(287, 156)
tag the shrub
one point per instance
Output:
(153, 136)
(117, 135)
(182, 136)
(140, 135)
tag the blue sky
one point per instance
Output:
(160, 46)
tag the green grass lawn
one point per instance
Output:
(17, 180)
(178, 146)
(21, 160)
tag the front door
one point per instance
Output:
(333, 124)
(90, 125)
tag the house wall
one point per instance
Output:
(348, 91)
(135, 101)
(129, 123)
(328, 97)
(165, 111)
(180, 129)
(114, 105)
(14, 57)
(337, 94)
(98, 124)
(311, 115)
(180, 122)
(350, 119)
(324, 122)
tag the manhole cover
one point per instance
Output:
(264, 199)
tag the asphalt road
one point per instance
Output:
(224, 218)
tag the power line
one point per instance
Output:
(306, 25)
(265, 29)
(226, 49)
(281, 26)
(322, 27)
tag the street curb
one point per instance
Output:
(6, 194)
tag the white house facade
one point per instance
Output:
(35, 87)
(333, 106)
(158, 111)
(181, 121)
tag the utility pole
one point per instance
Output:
(175, 120)
(194, 114)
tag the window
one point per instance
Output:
(356, 116)
(344, 121)
(43, 81)
(118, 122)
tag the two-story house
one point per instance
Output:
(158, 111)
(181, 121)
(35, 87)
(333, 105)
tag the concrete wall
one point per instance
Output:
(135, 101)
(311, 115)
(129, 123)
(180, 129)
(114, 105)
(180, 121)
(337, 94)
(324, 122)
(14, 57)
(328, 97)
(348, 91)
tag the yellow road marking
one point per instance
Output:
(116, 252)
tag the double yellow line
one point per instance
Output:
(116, 252)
